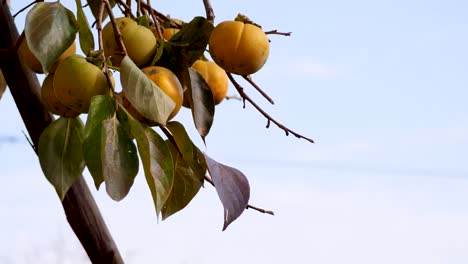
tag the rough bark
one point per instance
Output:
(80, 208)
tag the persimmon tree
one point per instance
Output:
(162, 65)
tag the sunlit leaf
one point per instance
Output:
(157, 162)
(201, 102)
(3, 84)
(60, 153)
(50, 29)
(182, 139)
(102, 107)
(94, 6)
(86, 36)
(119, 159)
(232, 187)
(152, 102)
(188, 180)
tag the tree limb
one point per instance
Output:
(80, 208)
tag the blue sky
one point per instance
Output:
(380, 85)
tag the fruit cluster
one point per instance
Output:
(236, 47)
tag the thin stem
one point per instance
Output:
(117, 34)
(260, 210)
(276, 32)
(208, 179)
(26, 7)
(210, 16)
(157, 25)
(249, 79)
(105, 68)
(245, 97)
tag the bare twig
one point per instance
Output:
(208, 179)
(157, 25)
(138, 12)
(127, 8)
(276, 32)
(249, 79)
(267, 116)
(29, 141)
(105, 68)
(260, 210)
(117, 34)
(26, 7)
(210, 16)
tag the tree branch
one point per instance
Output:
(80, 208)
(208, 179)
(249, 79)
(105, 67)
(210, 16)
(245, 97)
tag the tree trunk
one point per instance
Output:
(80, 208)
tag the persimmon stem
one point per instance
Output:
(208, 179)
(210, 16)
(245, 97)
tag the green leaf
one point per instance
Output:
(157, 163)
(119, 159)
(232, 187)
(94, 6)
(86, 36)
(159, 50)
(3, 84)
(102, 107)
(46, 22)
(152, 102)
(201, 102)
(143, 21)
(60, 153)
(187, 45)
(183, 141)
(188, 180)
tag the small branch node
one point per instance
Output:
(276, 32)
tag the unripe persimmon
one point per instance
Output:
(35, 65)
(76, 81)
(139, 42)
(216, 78)
(50, 101)
(238, 47)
